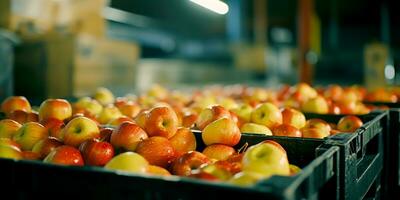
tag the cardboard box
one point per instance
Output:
(104, 62)
(43, 66)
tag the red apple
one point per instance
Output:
(286, 130)
(187, 162)
(8, 128)
(157, 150)
(65, 155)
(183, 141)
(45, 146)
(105, 134)
(129, 109)
(120, 120)
(319, 124)
(55, 108)
(293, 117)
(30, 155)
(200, 174)
(23, 116)
(54, 127)
(29, 134)
(161, 121)
(15, 103)
(127, 136)
(222, 131)
(189, 119)
(211, 114)
(96, 153)
(78, 130)
(334, 92)
(219, 151)
(349, 123)
(315, 133)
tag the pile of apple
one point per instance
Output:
(152, 143)
(152, 133)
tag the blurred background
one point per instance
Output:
(64, 48)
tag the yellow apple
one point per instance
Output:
(29, 134)
(267, 114)
(222, 131)
(104, 96)
(109, 112)
(316, 105)
(246, 178)
(128, 162)
(244, 112)
(8, 128)
(255, 128)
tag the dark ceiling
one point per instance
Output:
(186, 19)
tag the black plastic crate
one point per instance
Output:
(361, 155)
(392, 150)
(318, 178)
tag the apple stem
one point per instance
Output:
(243, 148)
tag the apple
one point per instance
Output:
(303, 92)
(156, 170)
(22, 116)
(319, 124)
(211, 114)
(200, 174)
(316, 105)
(120, 120)
(315, 133)
(243, 112)
(108, 113)
(286, 130)
(105, 134)
(8, 128)
(266, 158)
(78, 130)
(96, 153)
(161, 121)
(55, 108)
(293, 117)
(294, 169)
(158, 91)
(219, 151)
(128, 162)
(334, 92)
(141, 119)
(29, 134)
(129, 109)
(221, 131)
(267, 114)
(255, 128)
(9, 142)
(187, 162)
(189, 119)
(104, 96)
(54, 127)
(334, 109)
(65, 155)
(10, 152)
(15, 103)
(157, 150)
(127, 136)
(30, 155)
(246, 178)
(89, 106)
(45, 146)
(349, 123)
(183, 141)
(228, 103)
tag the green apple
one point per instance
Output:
(128, 162)
(255, 128)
